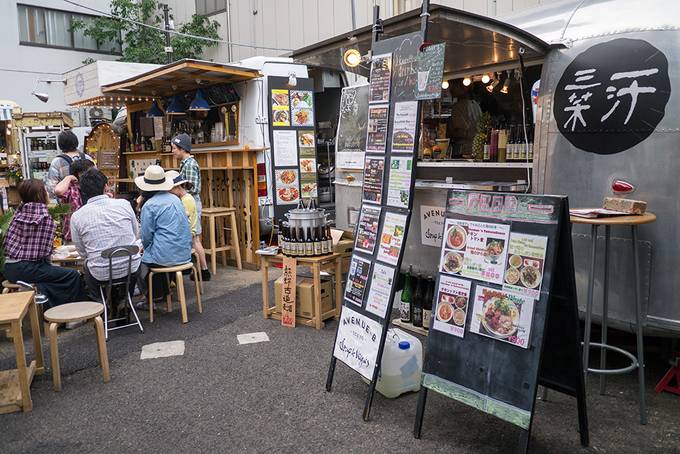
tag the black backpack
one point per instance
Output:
(69, 159)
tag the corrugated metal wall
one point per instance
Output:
(292, 24)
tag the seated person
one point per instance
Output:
(28, 248)
(166, 234)
(179, 188)
(68, 191)
(103, 223)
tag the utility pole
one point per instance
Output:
(168, 47)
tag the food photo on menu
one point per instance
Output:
(373, 179)
(524, 267)
(303, 117)
(392, 237)
(287, 192)
(301, 99)
(280, 108)
(450, 313)
(306, 139)
(367, 229)
(502, 316)
(453, 250)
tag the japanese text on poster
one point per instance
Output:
(453, 296)
(381, 77)
(373, 179)
(288, 292)
(378, 118)
(357, 279)
(399, 185)
(285, 148)
(381, 288)
(367, 231)
(392, 237)
(502, 316)
(524, 270)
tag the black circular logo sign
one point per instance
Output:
(612, 96)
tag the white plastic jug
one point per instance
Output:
(402, 364)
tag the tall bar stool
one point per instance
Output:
(127, 282)
(637, 361)
(179, 282)
(211, 215)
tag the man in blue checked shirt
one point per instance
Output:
(190, 171)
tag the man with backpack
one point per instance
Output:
(60, 167)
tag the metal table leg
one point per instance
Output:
(589, 302)
(638, 328)
(605, 310)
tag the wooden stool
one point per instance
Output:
(76, 312)
(212, 214)
(9, 287)
(197, 267)
(179, 282)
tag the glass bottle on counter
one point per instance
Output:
(522, 151)
(487, 146)
(405, 306)
(417, 303)
(329, 239)
(531, 143)
(323, 241)
(294, 246)
(286, 240)
(502, 145)
(493, 146)
(317, 242)
(309, 243)
(512, 148)
(427, 302)
(280, 233)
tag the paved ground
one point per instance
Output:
(269, 397)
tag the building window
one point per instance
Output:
(209, 7)
(52, 28)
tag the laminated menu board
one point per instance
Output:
(511, 337)
(430, 70)
(292, 136)
(382, 225)
(350, 142)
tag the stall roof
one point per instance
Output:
(473, 41)
(182, 75)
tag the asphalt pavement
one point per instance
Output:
(220, 396)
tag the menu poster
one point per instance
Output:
(392, 237)
(378, 118)
(430, 68)
(285, 148)
(381, 77)
(357, 341)
(373, 179)
(453, 296)
(367, 231)
(399, 185)
(477, 250)
(524, 268)
(300, 99)
(381, 288)
(404, 129)
(308, 185)
(287, 192)
(280, 108)
(357, 279)
(502, 316)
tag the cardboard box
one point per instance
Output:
(629, 206)
(344, 247)
(304, 291)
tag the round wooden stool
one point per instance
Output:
(76, 312)
(197, 267)
(179, 282)
(213, 215)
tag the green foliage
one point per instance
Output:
(142, 44)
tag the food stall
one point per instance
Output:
(510, 82)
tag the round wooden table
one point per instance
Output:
(638, 362)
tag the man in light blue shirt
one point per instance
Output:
(166, 234)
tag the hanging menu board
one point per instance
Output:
(350, 143)
(383, 221)
(292, 136)
(505, 307)
(430, 70)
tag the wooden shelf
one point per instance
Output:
(409, 327)
(474, 164)
(128, 153)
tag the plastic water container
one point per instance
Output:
(402, 364)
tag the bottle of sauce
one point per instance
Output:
(406, 296)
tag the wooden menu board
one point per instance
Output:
(292, 135)
(382, 227)
(505, 315)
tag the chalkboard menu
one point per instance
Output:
(505, 317)
(350, 143)
(430, 70)
(292, 137)
(382, 227)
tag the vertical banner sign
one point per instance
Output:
(292, 135)
(350, 144)
(505, 315)
(387, 200)
(288, 292)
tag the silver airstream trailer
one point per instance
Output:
(607, 111)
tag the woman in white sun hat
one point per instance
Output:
(166, 234)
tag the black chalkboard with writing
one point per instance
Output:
(430, 71)
(351, 135)
(490, 373)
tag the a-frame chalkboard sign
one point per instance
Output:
(387, 200)
(505, 316)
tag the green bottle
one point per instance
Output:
(406, 297)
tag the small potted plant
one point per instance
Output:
(14, 174)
